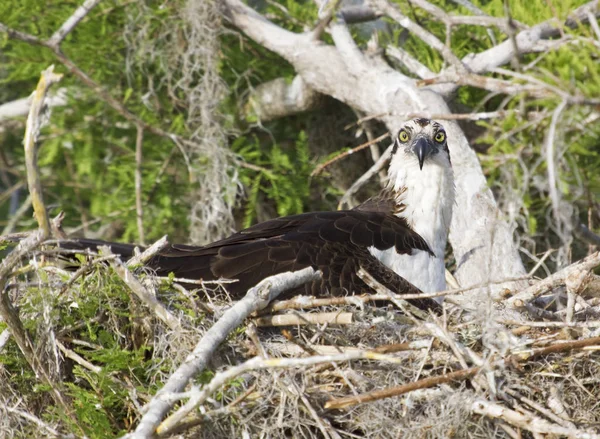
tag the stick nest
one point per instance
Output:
(105, 354)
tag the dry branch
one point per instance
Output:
(425, 383)
(577, 269)
(527, 422)
(431, 40)
(147, 254)
(331, 318)
(345, 154)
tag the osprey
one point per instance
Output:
(398, 237)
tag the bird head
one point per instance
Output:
(422, 140)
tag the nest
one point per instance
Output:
(337, 367)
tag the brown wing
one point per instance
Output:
(333, 242)
(337, 243)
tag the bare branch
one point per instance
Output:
(148, 253)
(373, 170)
(20, 107)
(525, 40)
(329, 162)
(453, 20)
(34, 420)
(425, 383)
(71, 22)
(331, 318)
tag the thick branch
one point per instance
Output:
(278, 98)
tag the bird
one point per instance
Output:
(398, 236)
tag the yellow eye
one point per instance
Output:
(440, 137)
(403, 136)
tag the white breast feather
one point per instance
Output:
(429, 198)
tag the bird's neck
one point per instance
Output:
(428, 197)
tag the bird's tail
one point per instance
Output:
(125, 251)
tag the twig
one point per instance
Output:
(139, 142)
(147, 254)
(257, 298)
(78, 358)
(441, 116)
(555, 348)
(339, 403)
(453, 20)
(345, 154)
(32, 130)
(142, 292)
(543, 410)
(458, 375)
(378, 166)
(487, 83)
(557, 279)
(323, 424)
(588, 324)
(529, 423)
(416, 296)
(331, 318)
(83, 269)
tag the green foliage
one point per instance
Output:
(285, 181)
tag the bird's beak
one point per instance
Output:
(422, 148)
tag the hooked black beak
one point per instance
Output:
(422, 148)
